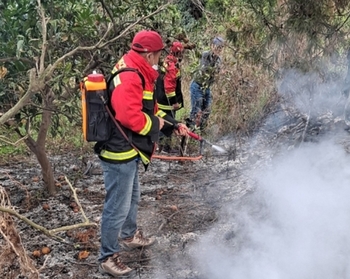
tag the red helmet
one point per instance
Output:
(147, 41)
(176, 47)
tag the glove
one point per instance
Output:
(181, 130)
(176, 106)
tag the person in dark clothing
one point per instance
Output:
(203, 79)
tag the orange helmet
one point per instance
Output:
(176, 47)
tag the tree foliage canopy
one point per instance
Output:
(47, 47)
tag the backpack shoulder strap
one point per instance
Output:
(112, 76)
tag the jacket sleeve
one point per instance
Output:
(178, 92)
(127, 102)
(169, 126)
(170, 81)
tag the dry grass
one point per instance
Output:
(242, 95)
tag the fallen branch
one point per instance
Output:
(13, 239)
(76, 199)
(52, 233)
(4, 139)
(9, 242)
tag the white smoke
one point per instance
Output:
(302, 230)
(312, 94)
(296, 225)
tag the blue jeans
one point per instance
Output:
(201, 100)
(120, 207)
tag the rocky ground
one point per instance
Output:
(181, 202)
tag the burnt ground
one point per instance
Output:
(180, 202)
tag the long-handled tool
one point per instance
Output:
(199, 138)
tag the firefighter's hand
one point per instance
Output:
(176, 106)
(161, 123)
(182, 130)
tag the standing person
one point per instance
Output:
(204, 77)
(134, 140)
(168, 87)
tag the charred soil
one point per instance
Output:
(180, 201)
(176, 206)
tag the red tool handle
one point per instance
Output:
(191, 134)
(195, 136)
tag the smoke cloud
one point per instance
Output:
(296, 223)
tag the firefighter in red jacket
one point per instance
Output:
(168, 86)
(135, 140)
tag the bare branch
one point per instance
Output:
(36, 83)
(34, 86)
(26, 220)
(9, 242)
(44, 21)
(109, 14)
(52, 233)
(4, 139)
(50, 70)
(10, 59)
(76, 199)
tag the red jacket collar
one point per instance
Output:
(139, 62)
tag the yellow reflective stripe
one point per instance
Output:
(119, 156)
(160, 113)
(148, 95)
(114, 69)
(178, 74)
(166, 107)
(144, 158)
(170, 94)
(147, 126)
(116, 79)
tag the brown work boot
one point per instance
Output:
(137, 241)
(114, 267)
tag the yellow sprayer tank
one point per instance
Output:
(95, 116)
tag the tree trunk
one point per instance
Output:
(38, 147)
(46, 168)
